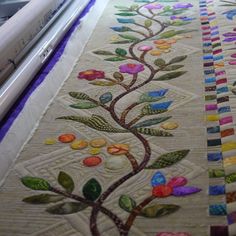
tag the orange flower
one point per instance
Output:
(118, 149)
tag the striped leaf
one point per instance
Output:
(171, 75)
(147, 110)
(168, 159)
(81, 96)
(95, 122)
(178, 59)
(154, 132)
(151, 122)
(172, 67)
(84, 105)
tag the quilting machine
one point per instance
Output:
(29, 32)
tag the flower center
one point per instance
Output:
(131, 66)
(88, 72)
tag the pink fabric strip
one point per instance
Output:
(226, 120)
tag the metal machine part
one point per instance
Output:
(50, 35)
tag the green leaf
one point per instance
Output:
(151, 122)
(172, 67)
(147, 110)
(67, 208)
(84, 105)
(102, 52)
(216, 173)
(146, 98)
(178, 59)
(95, 122)
(148, 23)
(127, 203)
(118, 76)
(159, 210)
(154, 132)
(168, 34)
(121, 52)
(169, 76)
(92, 189)
(126, 14)
(106, 97)
(122, 7)
(115, 59)
(81, 96)
(159, 62)
(43, 199)
(168, 159)
(122, 42)
(179, 23)
(66, 181)
(231, 178)
(35, 183)
(103, 83)
(129, 37)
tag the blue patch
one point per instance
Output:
(216, 58)
(217, 210)
(159, 93)
(224, 109)
(217, 156)
(210, 80)
(222, 90)
(213, 130)
(216, 190)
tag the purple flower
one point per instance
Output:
(131, 68)
(182, 5)
(153, 6)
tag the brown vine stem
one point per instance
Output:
(134, 80)
(139, 32)
(126, 87)
(132, 160)
(118, 222)
(146, 28)
(127, 110)
(136, 211)
(147, 149)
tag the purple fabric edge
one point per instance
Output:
(10, 117)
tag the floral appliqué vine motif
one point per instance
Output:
(151, 38)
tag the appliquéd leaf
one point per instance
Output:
(178, 59)
(172, 67)
(102, 52)
(151, 122)
(66, 208)
(154, 132)
(115, 59)
(106, 97)
(168, 159)
(103, 83)
(127, 203)
(122, 42)
(81, 96)
(43, 199)
(147, 110)
(129, 37)
(66, 181)
(159, 210)
(126, 14)
(84, 105)
(159, 62)
(92, 189)
(169, 76)
(121, 52)
(148, 23)
(118, 76)
(95, 122)
(35, 183)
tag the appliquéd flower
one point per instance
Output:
(153, 6)
(131, 68)
(91, 74)
(175, 187)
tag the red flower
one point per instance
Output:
(91, 74)
(162, 191)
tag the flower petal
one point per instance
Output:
(183, 191)
(162, 191)
(158, 179)
(177, 181)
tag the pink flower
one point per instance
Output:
(175, 187)
(145, 48)
(131, 68)
(91, 74)
(153, 6)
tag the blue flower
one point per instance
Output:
(160, 106)
(158, 179)
(126, 21)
